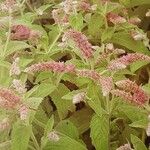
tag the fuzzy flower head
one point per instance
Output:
(59, 17)
(80, 41)
(115, 18)
(23, 111)
(137, 36)
(53, 136)
(19, 86)
(80, 97)
(124, 61)
(8, 6)
(51, 66)
(20, 32)
(84, 5)
(137, 95)
(88, 74)
(135, 20)
(15, 69)
(8, 99)
(106, 84)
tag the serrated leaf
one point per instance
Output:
(14, 46)
(137, 143)
(62, 105)
(43, 90)
(76, 21)
(96, 22)
(65, 143)
(100, 132)
(124, 39)
(132, 3)
(20, 136)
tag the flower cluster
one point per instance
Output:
(115, 18)
(81, 42)
(23, 111)
(53, 136)
(105, 82)
(8, 99)
(19, 86)
(130, 91)
(15, 69)
(80, 97)
(51, 66)
(124, 61)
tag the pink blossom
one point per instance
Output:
(8, 5)
(122, 94)
(80, 97)
(19, 86)
(135, 20)
(23, 111)
(106, 84)
(139, 96)
(53, 136)
(8, 99)
(59, 16)
(127, 85)
(15, 69)
(20, 32)
(115, 18)
(84, 5)
(81, 42)
(124, 61)
(88, 74)
(51, 66)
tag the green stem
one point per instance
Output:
(8, 36)
(57, 37)
(39, 123)
(35, 141)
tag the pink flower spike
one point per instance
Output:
(124, 61)
(127, 85)
(88, 74)
(106, 84)
(51, 66)
(20, 32)
(122, 94)
(8, 99)
(81, 42)
(135, 20)
(23, 111)
(115, 19)
(15, 69)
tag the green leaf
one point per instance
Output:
(14, 46)
(100, 132)
(76, 21)
(124, 39)
(140, 123)
(62, 105)
(67, 127)
(132, 3)
(95, 24)
(132, 112)
(33, 102)
(43, 90)
(64, 143)
(137, 65)
(49, 125)
(137, 143)
(20, 136)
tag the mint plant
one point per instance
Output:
(74, 75)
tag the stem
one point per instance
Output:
(57, 37)
(143, 136)
(8, 36)
(35, 141)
